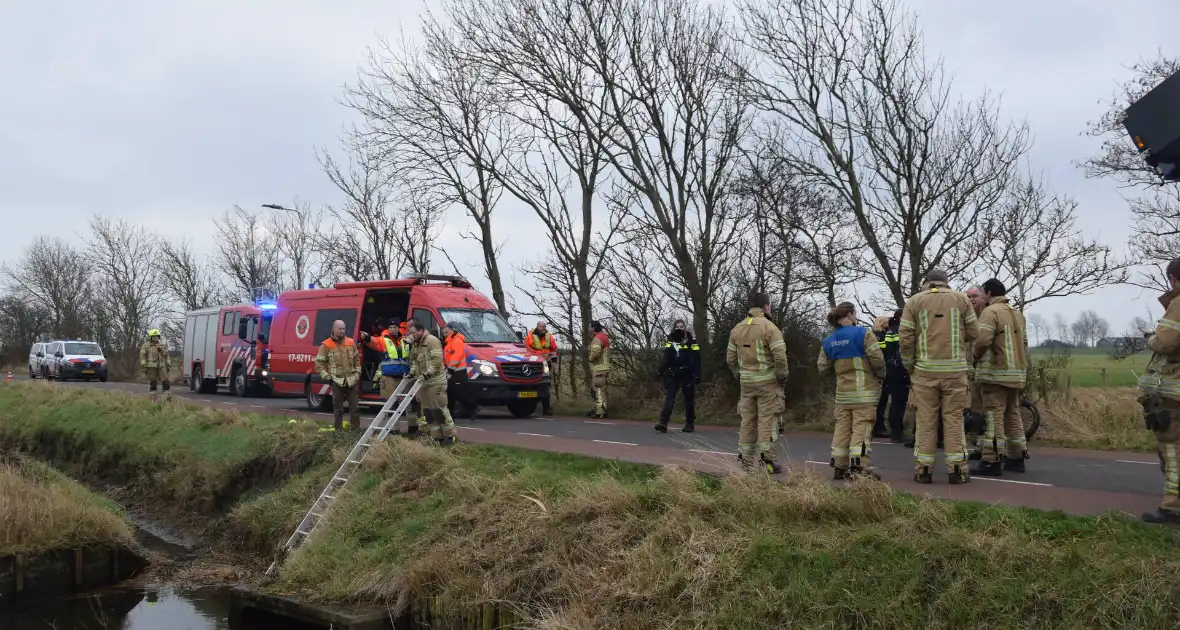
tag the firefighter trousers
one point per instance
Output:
(157, 374)
(932, 395)
(598, 390)
(1167, 444)
(341, 394)
(389, 385)
(434, 406)
(761, 407)
(1004, 432)
(852, 440)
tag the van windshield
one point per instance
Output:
(82, 348)
(479, 326)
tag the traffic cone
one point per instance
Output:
(9, 377)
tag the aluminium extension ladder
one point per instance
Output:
(383, 423)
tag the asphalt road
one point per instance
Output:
(1076, 481)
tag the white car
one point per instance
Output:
(36, 359)
(81, 360)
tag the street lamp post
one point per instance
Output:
(275, 206)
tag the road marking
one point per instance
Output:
(472, 428)
(701, 450)
(619, 443)
(1132, 461)
(598, 422)
(258, 406)
(1023, 483)
(534, 434)
(322, 413)
(820, 463)
(229, 403)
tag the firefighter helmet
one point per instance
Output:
(155, 332)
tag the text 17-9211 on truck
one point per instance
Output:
(288, 334)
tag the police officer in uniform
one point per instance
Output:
(680, 369)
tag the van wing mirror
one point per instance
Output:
(41, 355)
(59, 354)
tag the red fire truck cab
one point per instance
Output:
(503, 373)
(226, 346)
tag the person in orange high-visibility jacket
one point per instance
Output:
(457, 356)
(395, 364)
(540, 342)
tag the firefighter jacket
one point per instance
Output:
(853, 354)
(154, 355)
(1163, 370)
(682, 360)
(599, 354)
(396, 361)
(542, 345)
(456, 355)
(889, 342)
(1001, 351)
(756, 352)
(426, 361)
(938, 329)
(339, 362)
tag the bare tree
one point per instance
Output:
(189, 280)
(22, 324)
(1089, 328)
(247, 252)
(1030, 242)
(1156, 237)
(869, 118)
(1062, 328)
(128, 285)
(1039, 325)
(296, 232)
(639, 314)
(668, 68)
(438, 119)
(560, 154)
(49, 275)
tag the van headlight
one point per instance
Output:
(546, 368)
(486, 368)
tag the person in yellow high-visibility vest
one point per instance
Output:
(395, 365)
(541, 342)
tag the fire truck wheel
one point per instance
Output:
(237, 383)
(196, 380)
(316, 402)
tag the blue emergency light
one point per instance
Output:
(267, 306)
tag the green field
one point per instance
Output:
(1087, 364)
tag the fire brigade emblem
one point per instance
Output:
(302, 326)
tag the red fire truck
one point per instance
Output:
(226, 346)
(504, 373)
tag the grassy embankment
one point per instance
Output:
(43, 510)
(572, 542)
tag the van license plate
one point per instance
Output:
(528, 394)
(88, 371)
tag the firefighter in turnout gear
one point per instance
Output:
(541, 343)
(1159, 393)
(428, 363)
(156, 364)
(852, 352)
(395, 365)
(338, 363)
(680, 370)
(1001, 359)
(599, 355)
(938, 330)
(757, 356)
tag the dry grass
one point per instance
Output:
(41, 510)
(1096, 418)
(670, 549)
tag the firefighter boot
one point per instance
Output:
(1015, 464)
(924, 475)
(975, 455)
(856, 470)
(989, 469)
(960, 475)
(838, 472)
(446, 441)
(772, 467)
(412, 430)
(1161, 517)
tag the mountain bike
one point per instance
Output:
(1031, 417)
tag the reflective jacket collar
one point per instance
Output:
(757, 312)
(999, 299)
(936, 284)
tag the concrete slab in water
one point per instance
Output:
(244, 598)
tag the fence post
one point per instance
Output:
(1068, 387)
(1105, 382)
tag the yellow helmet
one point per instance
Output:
(155, 332)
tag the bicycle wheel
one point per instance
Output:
(1031, 417)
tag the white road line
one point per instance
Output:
(472, 429)
(534, 434)
(258, 406)
(820, 463)
(701, 450)
(1023, 483)
(322, 413)
(598, 422)
(1132, 461)
(229, 403)
(619, 443)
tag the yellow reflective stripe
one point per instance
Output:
(858, 365)
(892, 337)
(922, 348)
(857, 398)
(1167, 323)
(777, 344)
(987, 327)
(1009, 355)
(881, 344)
(956, 325)
(694, 347)
(905, 323)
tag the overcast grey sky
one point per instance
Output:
(169, 113)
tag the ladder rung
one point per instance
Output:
(344, 479)
(354, 461)
(302, 533)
